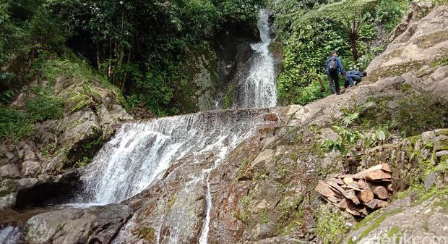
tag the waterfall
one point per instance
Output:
(140, 151)
(257, 89)
(10, 235)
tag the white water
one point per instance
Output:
(258, 89)
(10, 235)
(139, 152)
(206, 228)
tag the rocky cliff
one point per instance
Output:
(263, 192)
(43, 165)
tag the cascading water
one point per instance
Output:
(258, 88)
(10, 234)
(140, 152)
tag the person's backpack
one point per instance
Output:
(333, 65)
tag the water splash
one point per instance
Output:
(258, 88)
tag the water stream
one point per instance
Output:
(258, 89)
(10, 234)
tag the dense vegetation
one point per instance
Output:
(310, 29)
(140, 46)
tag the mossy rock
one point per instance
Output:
(7, 187)
(432, 39)
(147, 233)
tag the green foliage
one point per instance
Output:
(43, 105)
(14, 124)
(309, 30)
(350, 136)
(138, 45)
(331, 225)
(416, 114)
(411, 115)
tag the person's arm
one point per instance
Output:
(340, 65)
(326, 67)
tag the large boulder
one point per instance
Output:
(406, 221)
(77, 225)
(418, 55)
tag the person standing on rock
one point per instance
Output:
(333, 67)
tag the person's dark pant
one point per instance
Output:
(334, 82)
(352, 80)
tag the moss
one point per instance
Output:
(6, 188)
(393, 231)
(432, 39)
(441, 132)
(440, 61)
(228, 96)
(394, 70)
(405, 87)
(377, 222)
(393, 54)
(171, 201)
(331, 225)
(147, 233)
(264, 216)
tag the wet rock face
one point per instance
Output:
(77, 225)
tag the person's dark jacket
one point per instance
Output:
(339, 62)
(355, 73)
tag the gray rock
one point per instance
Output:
(425, 154)
(441, 153)
(26, 183)
(31, 168)
(10, 171)
(430, 180)
(428, 136)
(26, 151)
(8, 194)
(77, 225)
(427, 218)
(80, 126)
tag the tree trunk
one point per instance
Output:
(353, 39)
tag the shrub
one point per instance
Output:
(43, 107)
(331, 225)
(418, 113)
(14, 124)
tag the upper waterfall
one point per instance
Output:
(258, 89)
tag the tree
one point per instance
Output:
(349, 14)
